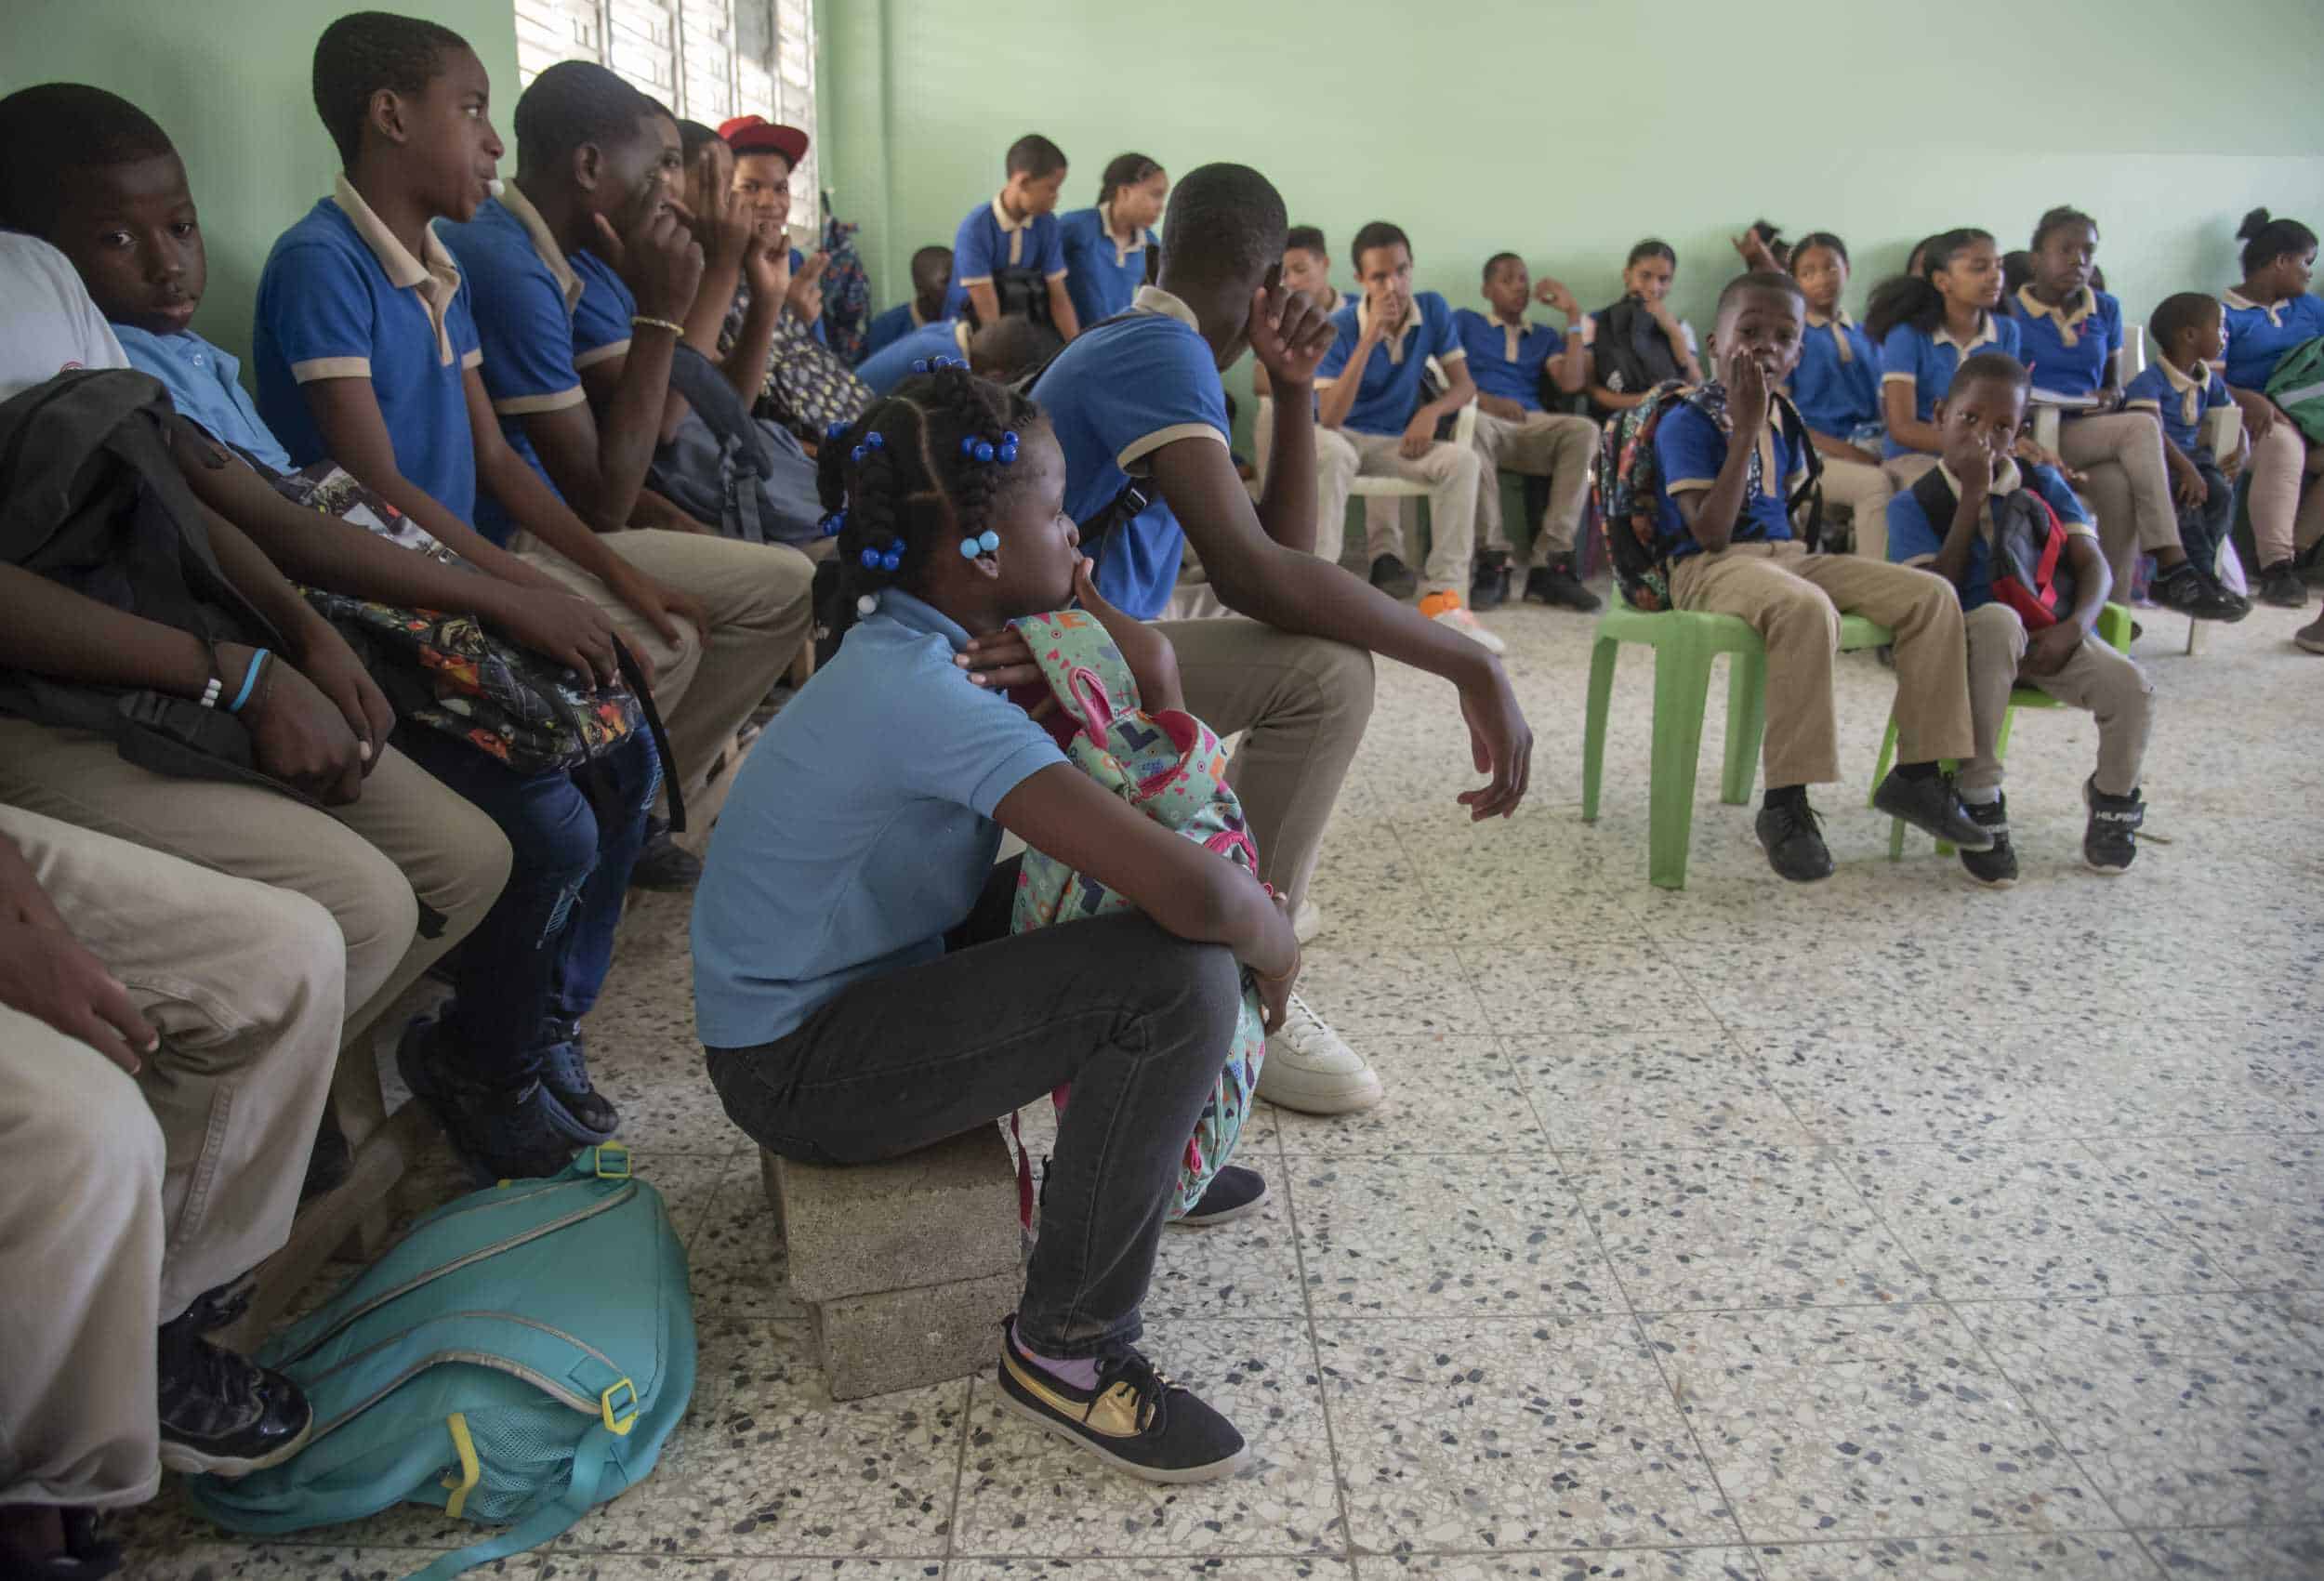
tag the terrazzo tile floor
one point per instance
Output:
(1882, 1227)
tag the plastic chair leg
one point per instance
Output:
(1681, 686)
(1747, 725)
(1887, 758)
(1603, 654)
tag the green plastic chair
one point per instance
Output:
(1685, 645)
(2114, 626)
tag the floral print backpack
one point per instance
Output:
(1170, 767)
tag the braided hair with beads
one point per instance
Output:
(914, 477)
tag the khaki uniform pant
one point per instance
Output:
(757, 596)
(2114, 689)
(1794, 601)
(1865, 490)
(134, 1194)
(2129, 490)
(363, 863)
(1301, 703)
(1452, 473)
(1555, 445)
(2287, 500)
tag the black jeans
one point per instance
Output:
(1138, 1019)
(2204, 526)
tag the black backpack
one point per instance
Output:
(1023, 293)
(1629, 353)
(91, 498)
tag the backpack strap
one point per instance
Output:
(1936, 496)
(1811, 491)
(590, 1456)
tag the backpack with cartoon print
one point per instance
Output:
(1170, 767)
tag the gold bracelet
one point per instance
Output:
(1298, 954)
(646, 320)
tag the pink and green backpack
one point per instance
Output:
(1170, 767)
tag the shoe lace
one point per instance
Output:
(1147, 1382)
(1793, 817)
(1300, 1024)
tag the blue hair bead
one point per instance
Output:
(836, 430)
(856, 454)
(1009, 453)
(889, 560)
(919, 364)
(988, 540)
(985, 449)
(967, 444)
(876, 440)
(1009, 438)
(870, 559)
(968, 548)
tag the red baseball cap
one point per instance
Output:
(756, 134)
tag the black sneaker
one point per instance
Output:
(329, 1162)
(2282, 585)
(2110, 841)
(1996, 867)
(663, 863)
(1489, 587)
(2184, 588)
(1793, 837)
(221, 1413)
(499, 1134)
(1233, 1192)
(1556, 586)
(1135, 1419)
(584, 1114)
(1395, 578)
(1930, 805)
(2310, 638)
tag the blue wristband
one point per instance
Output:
(249, 679)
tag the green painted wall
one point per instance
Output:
(229, 81)
(1568, 130)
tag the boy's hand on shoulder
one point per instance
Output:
(656, 252)
(1288, 335)
(998, 661)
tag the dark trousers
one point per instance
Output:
(1136, 1020)
(541, 954)
(2202, 528)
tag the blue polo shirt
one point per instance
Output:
(2179, 402)
(1926, 362)
(340, 298)
(1506, 360)
(886, 369)
(601, 320)
(1390, 391)
(1101, 274)
(526, 292)
(1837, 384)
(860, 830)
(1914, 539)
(1689, 449)
(2093, 319)
(892, 326)
(987, 242)
(1117, 394)
(202, 381)
(2258, 337)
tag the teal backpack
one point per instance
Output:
(517, 1359)
(2297, 385)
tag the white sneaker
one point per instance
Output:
(1307, 922)
(1308, 1068)
(1461, 620)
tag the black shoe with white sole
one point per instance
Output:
(2110, 841)
(1233, 1192)
(1488, 584)
(1996, 867)
(1556, 586)
(221, 1413)
(1135, 1419)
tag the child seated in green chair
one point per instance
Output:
(1946, 522)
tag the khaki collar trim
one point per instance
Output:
(433, 275)
(1153, 300)
(513, 198)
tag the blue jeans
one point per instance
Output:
(541, 953)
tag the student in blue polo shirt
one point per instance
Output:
(597, 165)
(1375, 423)
(886, 369)
(1945, 522)
(932, 275)
(2180, 389)
(1105, 247)
(1016, 235)
(2069, 336)
(1837, 389)
(1141, 399)
(2273, 309)
(1726, 470)
(1508, 357)
(858, 990)
(1924, 324)
(531, 970)
(765, 156)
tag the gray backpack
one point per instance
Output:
(750, 478)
